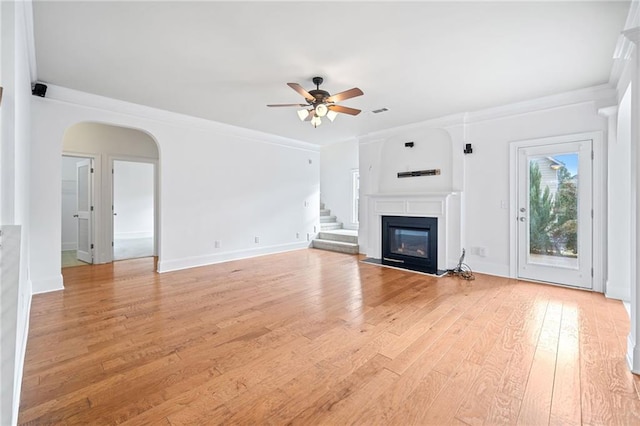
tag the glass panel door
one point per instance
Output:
(554, 213)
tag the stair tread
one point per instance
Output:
(343, 231)
(334, 242)
(330, 225)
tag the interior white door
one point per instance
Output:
(84, 210)
(555, 230)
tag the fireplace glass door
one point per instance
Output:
(410, 242)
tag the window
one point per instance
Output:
(355, 196)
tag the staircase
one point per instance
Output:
(333, 237)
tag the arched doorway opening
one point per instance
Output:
(109, 194)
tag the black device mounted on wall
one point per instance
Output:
(39, 89)
(408, 144)
(468, 149)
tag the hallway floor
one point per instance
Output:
(123, 248)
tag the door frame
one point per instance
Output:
(96, 197)
(156, 198)
(599, 185)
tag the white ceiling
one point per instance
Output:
(225, 61)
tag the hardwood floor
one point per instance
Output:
(315, 337)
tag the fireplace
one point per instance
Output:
(410, 242)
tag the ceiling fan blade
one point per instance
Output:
(295, 86)
(288, 105)
(344, 109)
(347, 94)
(312, 113)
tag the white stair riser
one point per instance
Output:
(336, 246)
(330, 225)
(327, 219)
(338, 237)
(325, 212)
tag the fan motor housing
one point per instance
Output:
(319, 94)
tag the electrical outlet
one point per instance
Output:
(257, 240)
(217, 244)
(504, 204)
(297, 235)
(482, 251)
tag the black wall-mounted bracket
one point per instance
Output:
(431, 172)
(468, 149)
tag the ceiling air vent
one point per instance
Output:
(378, 111)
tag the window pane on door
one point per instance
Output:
(553, 210)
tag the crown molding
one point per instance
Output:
(101, 103)
(609, 111)
(603, 95)
(624, 46)
(633, 34)
(440, 122)
(27, 15)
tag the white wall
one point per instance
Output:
(431, 150)
(133, 200)
(15, 158)
(487, 175)
(108, 140)
(337, 161)
(383, 155)
(483, 176)
(217, 183)
(619, 246)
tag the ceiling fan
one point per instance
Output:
(321, 102)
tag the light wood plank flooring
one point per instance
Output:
(315, 337)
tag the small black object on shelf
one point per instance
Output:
(39, 89)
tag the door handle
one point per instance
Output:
(115, 214)
(75, 215)
(523, 219)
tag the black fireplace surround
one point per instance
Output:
(410, 243)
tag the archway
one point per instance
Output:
(110, 147)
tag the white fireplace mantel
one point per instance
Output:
(445, 206)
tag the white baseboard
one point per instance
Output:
(210, 259)
(47, 285)
(69, 246)
(618, 293)
(20, 360)
(131, 235)
(488, 268)
(633, 355)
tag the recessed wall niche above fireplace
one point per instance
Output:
(410, 242)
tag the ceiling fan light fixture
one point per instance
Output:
(303, 114)
(316, 121)
(321, 110)
(320, 103)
